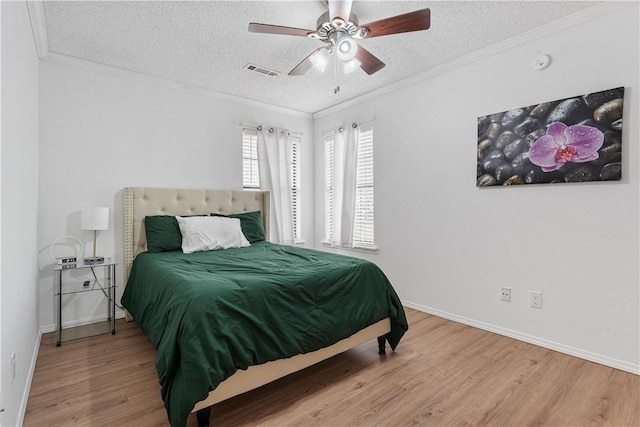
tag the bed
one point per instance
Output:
(228, 321)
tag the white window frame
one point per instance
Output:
(251, 173)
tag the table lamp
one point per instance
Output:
(94, 219)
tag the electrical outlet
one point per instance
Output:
(535, 299)
(13, 366)
(505, 294)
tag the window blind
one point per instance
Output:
(328, 186)
(295, 184)
(250, 171)
(364, 214)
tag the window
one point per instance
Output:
(363, 227)
(251, 172)
(363, 223)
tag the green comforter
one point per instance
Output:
(211, 313)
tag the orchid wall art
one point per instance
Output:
(569, 140)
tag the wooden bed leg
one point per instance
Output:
(382, 345)
(203, 416)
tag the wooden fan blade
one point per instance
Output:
(277, 29)
(340, 9)
(412, 21)
(368, 61)
(305, 65)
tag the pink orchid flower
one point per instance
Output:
(562, 144)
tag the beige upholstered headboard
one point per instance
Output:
(142, 201)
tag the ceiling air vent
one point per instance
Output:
(261, 70)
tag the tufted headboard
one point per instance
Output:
(142, 201)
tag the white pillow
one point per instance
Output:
(207, 233)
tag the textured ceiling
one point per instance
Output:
(206, 43)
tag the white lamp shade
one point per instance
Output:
(94, 219)
(346, 48)
(350, 66)
(321, 59)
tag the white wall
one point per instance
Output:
(100, 133)
(448, 246)
(19, 168)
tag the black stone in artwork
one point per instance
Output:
(569, 140)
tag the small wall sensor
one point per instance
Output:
(541, 62)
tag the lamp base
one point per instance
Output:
(94, 260)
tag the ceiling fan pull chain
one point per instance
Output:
(336, 74)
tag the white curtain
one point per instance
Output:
(344, 184)
(274, 150)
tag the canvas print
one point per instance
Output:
(569, 140)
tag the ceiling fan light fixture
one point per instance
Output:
(346, 48)
(350, 66)
(321, 59)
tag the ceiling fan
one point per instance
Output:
(339, 29)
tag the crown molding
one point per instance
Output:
(122, 73)
(38, 27)
(578, 18)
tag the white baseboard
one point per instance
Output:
(27, 389)
(551, 345)
(80, 322)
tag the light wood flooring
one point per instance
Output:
(442, 374)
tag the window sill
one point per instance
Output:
(365, 249)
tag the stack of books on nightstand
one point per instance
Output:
(67, 262)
